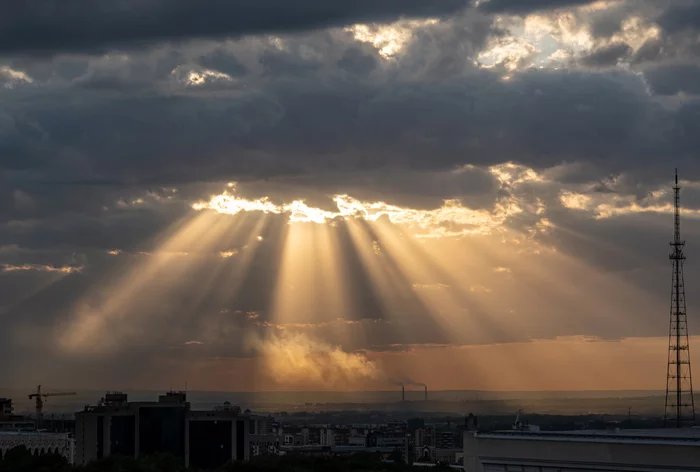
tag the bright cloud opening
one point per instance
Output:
(390, 40)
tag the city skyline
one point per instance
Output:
(468, 195)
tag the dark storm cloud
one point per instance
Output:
(607, 56)
(605, 25)
(220, 61)
(520, 7)
(673, 79)
(650, 51)
(680, 16)
(53, 25)
(546, 116)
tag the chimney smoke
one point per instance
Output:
(403, 393)
(426, 392)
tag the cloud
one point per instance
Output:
(40, 268)
(680, 16)
(43, 26)
(607, 56)
(452, 218)
(674, 79)
(410, 109)
(520, 135)
(297, 359)
(528, 6)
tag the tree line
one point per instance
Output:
(20, 459)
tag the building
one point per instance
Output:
(415, 423)
(448, 439)
(12, 422)
(327, 437)
(17, 423)
(204, 439)
(267, 444)
(358, 440)
(5, 407)
(39, 443)
(583, 451)
(219, 436)
(448, 456)
(397, 442)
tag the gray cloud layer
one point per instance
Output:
(52, 25)
(528, 6)
(93, 145)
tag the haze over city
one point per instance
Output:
(345, 196)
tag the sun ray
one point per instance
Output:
(310, 284)
(399, 304)
(459, 313)
(106, 317)
(238, 266)
(211, 267)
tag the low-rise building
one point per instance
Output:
(5, 407)
(583, 451)
(11, 422)
(265, 444)
(359, 441)
(39, 443)
(327, 437)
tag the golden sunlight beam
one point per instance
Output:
(106, 317)
(310, 285)
(392, 287)
(448, 299)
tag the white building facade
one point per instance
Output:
(583, 451)
(39, 443)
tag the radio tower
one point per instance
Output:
(680, 405)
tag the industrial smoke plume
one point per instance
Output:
(404, 382)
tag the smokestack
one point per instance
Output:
(426, 392)
(403, 393)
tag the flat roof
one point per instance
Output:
(678, 436)
(34, 434)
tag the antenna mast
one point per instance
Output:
(680, 405)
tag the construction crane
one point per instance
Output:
(39, 397)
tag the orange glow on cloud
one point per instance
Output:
(297, 360)
(493, 284)
(451, 219)
(40, 268)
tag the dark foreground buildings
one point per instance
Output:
(204, 439)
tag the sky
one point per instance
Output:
(312, 195)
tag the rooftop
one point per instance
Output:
(680, 436)
(34, 434)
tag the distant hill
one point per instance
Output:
(453, 401)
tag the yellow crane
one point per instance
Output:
(39, 397)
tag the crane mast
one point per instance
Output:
(39, 397)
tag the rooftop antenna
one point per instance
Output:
(680, 405)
